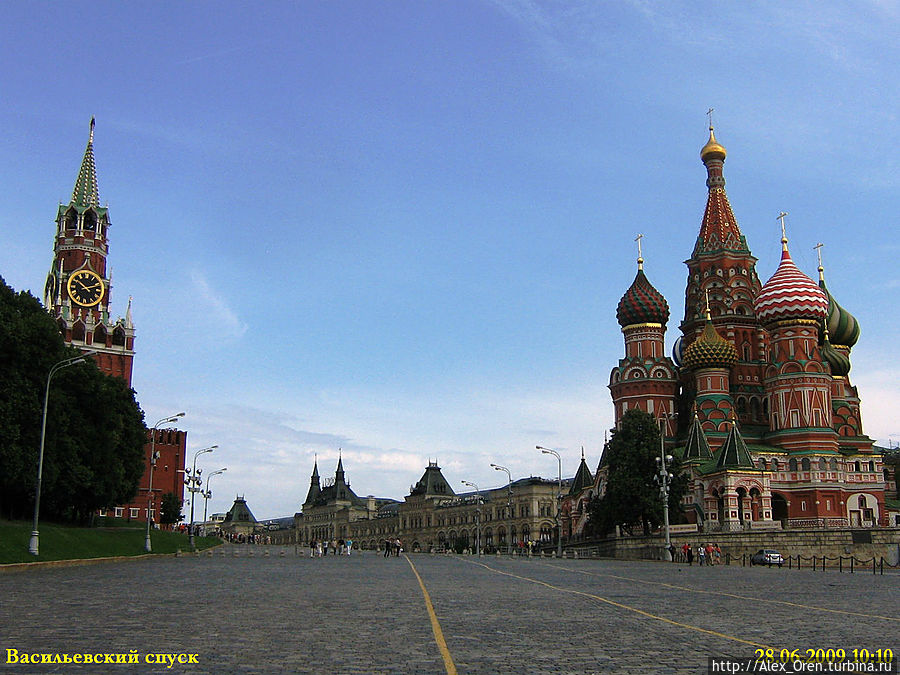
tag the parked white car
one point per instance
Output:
(767, 556)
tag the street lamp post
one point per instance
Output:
(207, 494)
(34, 543)
(509, 513)
(154, 455)
(194, 481)
(477, 516)
(548, 451)
(664, 478)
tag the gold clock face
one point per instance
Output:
(85, 288)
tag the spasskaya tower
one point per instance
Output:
(79, 285)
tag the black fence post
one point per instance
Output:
(851, 564)
(841, 563)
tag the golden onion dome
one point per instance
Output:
(712, 149)
(710, 350)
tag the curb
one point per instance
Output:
(78, 562)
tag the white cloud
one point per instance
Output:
(225, 319)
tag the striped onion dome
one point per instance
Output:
(840, 363)
(642, 303)
(841, 324)
(710, 350)
(790, 294)
(678, 351)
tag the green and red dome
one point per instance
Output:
(642, 303)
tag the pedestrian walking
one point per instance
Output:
(690, 554)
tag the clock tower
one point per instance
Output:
(79, 285)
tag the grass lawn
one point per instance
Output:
(65, 542)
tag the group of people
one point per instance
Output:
(317, 549)
(392, 547)
(710, 554)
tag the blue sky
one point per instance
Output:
(402, 228)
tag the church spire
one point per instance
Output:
(86, 192)
(719, 229)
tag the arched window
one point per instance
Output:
(834, 464)
(792, 464)
(90, 220)
(546, 532)
(805, 464)
(823, 464)
(118, 338)
(78, 332)
(71, 219)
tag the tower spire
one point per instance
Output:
(86, 192)
(640, 258)
(719, 229)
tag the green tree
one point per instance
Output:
(170, 509)
(93, 453)
(632, 496)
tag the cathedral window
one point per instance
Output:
(823, 464)
(118, 338)
(89, 221)
(805, 464)
(792, 464)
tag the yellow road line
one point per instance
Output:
(435, 625)
(625, 607)
(727, 595)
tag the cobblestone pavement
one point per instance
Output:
(366, 614)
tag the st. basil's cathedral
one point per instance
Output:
(756, 398)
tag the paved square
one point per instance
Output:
(367, 614)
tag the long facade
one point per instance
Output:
(432, 517)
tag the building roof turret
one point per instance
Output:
(86, 192)
(697, 446)
(838, 361)
(584, 479)
(841, 325)
(789, 294)
(719, 230)
(709, 350)
(642, 303)
(734, 453)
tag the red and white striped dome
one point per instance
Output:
(790, 294)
